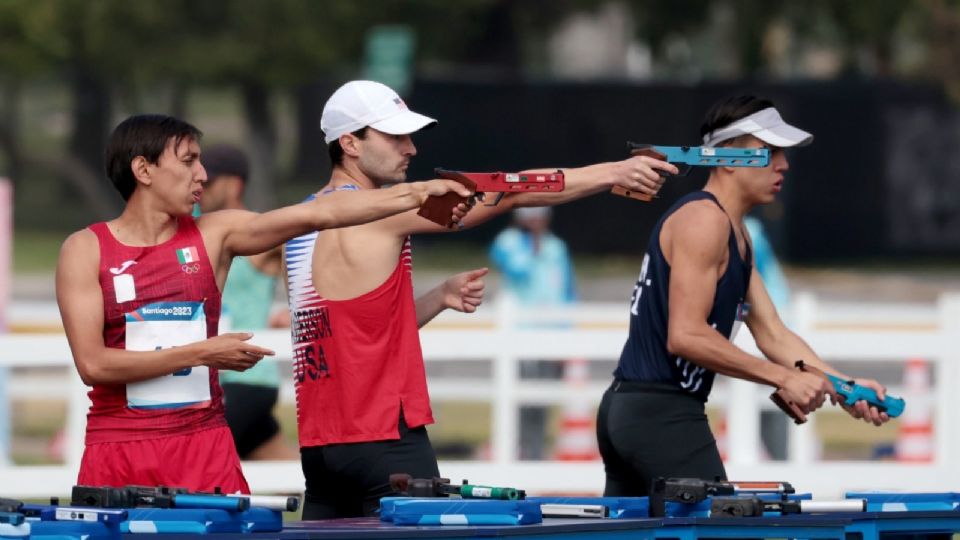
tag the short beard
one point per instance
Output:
(379, 179)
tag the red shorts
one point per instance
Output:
(199, 461)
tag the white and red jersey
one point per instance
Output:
(357, 361)
(156, 297)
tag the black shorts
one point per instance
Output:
(348, 480)
(249, 410)
(648, 430)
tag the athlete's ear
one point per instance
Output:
(350, 144)
(141, 170)
(728, 170)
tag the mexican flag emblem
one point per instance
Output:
(187, 255)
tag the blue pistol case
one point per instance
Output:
(446, 511)
(73, 523)
(181, 520)
(202, 521)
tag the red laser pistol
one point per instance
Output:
(687, 157)
(440, 209)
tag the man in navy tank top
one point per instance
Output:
(696, 287)
(140, 301)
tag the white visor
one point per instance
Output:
(766, 125)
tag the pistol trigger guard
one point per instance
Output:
(496, 200)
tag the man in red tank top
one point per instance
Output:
(362, 400)
(140, 300)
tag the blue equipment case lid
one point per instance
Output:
(181, 520)
(448, 511)
(78, 530)
(16, 532)
(259, 519)
(171, 520)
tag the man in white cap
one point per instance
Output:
(361, 386)
(696, 287)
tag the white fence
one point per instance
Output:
(503, 335)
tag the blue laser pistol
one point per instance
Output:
(687, 157)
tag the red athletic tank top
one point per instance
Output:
(358, 361)
(157, 297)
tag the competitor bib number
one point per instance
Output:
(161, 326)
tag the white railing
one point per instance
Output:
(505, 335)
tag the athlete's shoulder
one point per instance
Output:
(699, 229)
(700, 215)
(84, 239)
(80, 248)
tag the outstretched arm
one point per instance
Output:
(461, 292)
(246, 233)
(80, 299)
(638, 173)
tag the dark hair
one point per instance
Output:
(335, 151)
(144, 135)
(225, 159)
(728, 110)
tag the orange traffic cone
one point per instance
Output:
(915, 438)
(577, 440)
(721, 437)
(57, 447)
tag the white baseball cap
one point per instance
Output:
(360, 104)
(766, 125)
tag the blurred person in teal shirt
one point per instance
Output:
(768, 265)
(773, 425)
(535, 263)
(536, 271)
(251, 395)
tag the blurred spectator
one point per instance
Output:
(768, 266)
(537, 271)
(773, 424)
(535, 263)
(251, 395)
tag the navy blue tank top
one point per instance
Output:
(645, 357)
